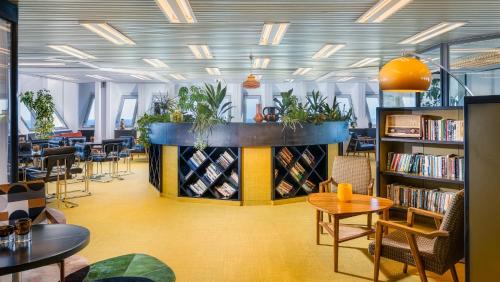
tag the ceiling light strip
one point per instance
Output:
(201, 51)
(327, 50)
(186, 11)
(141, 77)
(168, 11)
(382, 10)
(275, 30)
(282, 28)
(57, 76)
(98, 77)
(213, 71)
(116, 34)
(72, 51)
(156, 63)
(364, 62)
(344, 79)
(432, 32)
(41, 64)
(169, 8)
(266, 33)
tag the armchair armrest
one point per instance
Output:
(325, 185)
(412, 211)
(55, 216)
(411, 230)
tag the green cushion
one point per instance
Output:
(132, 265)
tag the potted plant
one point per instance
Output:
(42, 106)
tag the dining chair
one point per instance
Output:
(437, 251)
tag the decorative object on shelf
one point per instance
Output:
(176, 116)
(258, 114)
(344, 192)
(403, 126)
(251, 82)
(270, 114)
(42, 106)
(122, 124)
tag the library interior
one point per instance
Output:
(232, 140)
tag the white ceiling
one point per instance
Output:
(232, 30)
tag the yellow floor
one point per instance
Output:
(204, 242)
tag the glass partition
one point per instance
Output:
(5, 52)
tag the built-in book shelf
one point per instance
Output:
(421, 172)
(212, 173)
(297, 171)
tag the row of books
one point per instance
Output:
(234, 177)
(309, 186)
(226, 190)
(308, 157)
(199, 187)
(434, 200)
(197, 159)
(442, 129)
(448, 166)
(285, 157)
(284, 188)
(225, 160)
(212, 172)
(298, 172)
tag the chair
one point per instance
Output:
(55, 142)
(437, 251)
(127, 146)
(75, 140)
(83, 153)
(22, 200)
(359, 144)
(355, 170)
(25, 156)
(131, 267)
(110, 153)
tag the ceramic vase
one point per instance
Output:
(258, 114)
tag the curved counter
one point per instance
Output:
(263, 163)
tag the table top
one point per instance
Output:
(360, 204)
(51, 243)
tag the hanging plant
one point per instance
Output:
(42, 106)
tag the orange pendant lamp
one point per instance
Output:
(405, 74)
(251, 82)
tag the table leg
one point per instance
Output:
(318, 229)
(335, 243)
(385, 216)
(61, 271)
(16, 277)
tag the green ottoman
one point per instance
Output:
(132, 267)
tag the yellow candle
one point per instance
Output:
(344, 192)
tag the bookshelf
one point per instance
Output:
(298, 170)
(213, 173)
(444, 163)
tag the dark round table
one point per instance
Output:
(51, 243)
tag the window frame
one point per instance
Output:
(374, 122)
(348, 96)
(32, 128)
(259, 97)
(120, 111)
(87, 113)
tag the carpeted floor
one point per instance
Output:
(204, 242)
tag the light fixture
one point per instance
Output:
(177, 76)
(57, 76)
(213, 71)
(5, 27)
(141, 77)
(382, 10)
(41, 64)
(156, 63)
(261, 63)
(98, 77)
(327, 50)
(344, 79)
(432, 32)
(301, 71)
(251, 82)
(275, 30)
(169, 8)
(364, 62)
(108, 32)
(4, 51)
(90, 65)
(474, 50)
(405, 74)
(72, 51)
(201, 51)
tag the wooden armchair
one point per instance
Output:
(437, 251)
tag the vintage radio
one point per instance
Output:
(403, 126)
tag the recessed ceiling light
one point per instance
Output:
(213, 71)
(108, 32)
(90, 65)
(474, 50)
(177, 76)
(201, 51)
(5, 27)
(72, 51)
(41, 64)
(289, 80)
(301, 71)
(261, 63)
(156, 63)
(364, 62)
(275, 30)
(344, 79)
(171, 8)
(432, 32)
(141, 77)
(327, 50)
(382, 10)
(57, 76)
(98, 77)
(4, 51)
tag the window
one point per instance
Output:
(250, 105)
(371, 107)
(28, 118)
(157, 104)
(228, 113)
(89, 120)
(277, 97)
(345, 103)
(127, 112)
(59, 121)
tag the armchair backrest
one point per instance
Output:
(450, 249)
(112, 146)
(352, 169)
(83, 151)
(75, 140)
(21, 200)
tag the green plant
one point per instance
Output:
(42, 106)
(315, 107)
(432, 97)
(160, 111)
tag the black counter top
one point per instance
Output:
(252, 134)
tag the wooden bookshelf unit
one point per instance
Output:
(298, 169)
(202, 172)
(386, 175)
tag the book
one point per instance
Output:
(284, 188)
(435, 200)
(438, 129)
(403, 126)
(309, 186)
(226, 190)
(308, 157)
(437, 166)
